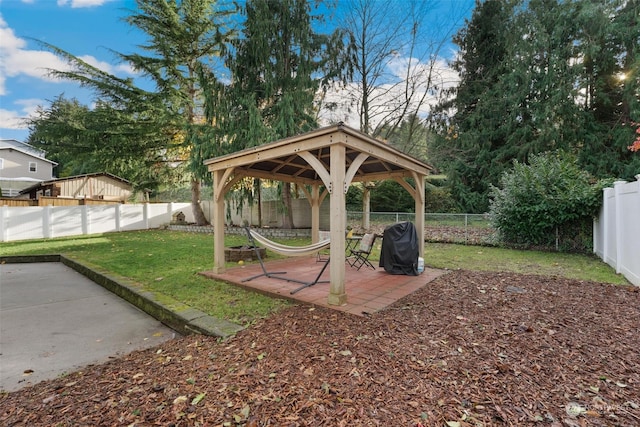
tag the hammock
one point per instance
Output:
(289, 251)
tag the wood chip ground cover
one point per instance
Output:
(469, 349)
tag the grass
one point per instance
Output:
(168, 262)
(574, 266)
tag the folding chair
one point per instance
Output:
(359, 257)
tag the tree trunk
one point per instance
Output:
(198, 213)
(287, 219)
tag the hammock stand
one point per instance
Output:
(288, 251)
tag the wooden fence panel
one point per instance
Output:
(18, 202)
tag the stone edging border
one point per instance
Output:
(178, 316)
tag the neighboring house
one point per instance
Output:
(22, 165)
(103, 186)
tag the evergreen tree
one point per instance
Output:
(609, 44)
(473, 134)
(411, 136)
(541, 75)
(125, 142)
(186, 40)
(277, 67)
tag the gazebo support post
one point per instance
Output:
(366, 206)
(218, 222)
(315, 213)
(337, 294)
(419, 209)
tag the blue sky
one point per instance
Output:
(88, 29)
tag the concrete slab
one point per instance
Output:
(54, 320)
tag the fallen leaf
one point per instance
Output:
(245, 411)
(179, 399)
(198, 398)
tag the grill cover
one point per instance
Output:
(399, 254)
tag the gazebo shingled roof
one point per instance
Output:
(330, 158)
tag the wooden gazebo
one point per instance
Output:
(326, 160)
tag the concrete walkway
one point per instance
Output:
(55, 320)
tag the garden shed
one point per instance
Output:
(324, 162)
(100, 186)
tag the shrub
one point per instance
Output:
(547, 198)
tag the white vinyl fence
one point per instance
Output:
(41, 222)
(616, 232)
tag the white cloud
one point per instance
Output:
(101, 65)
(11, 120)
(9, 39)
(32, 63)
(438, 71)
(126, 68)
(16, 119)
(15, 60)
(76, 4)
(426, 82)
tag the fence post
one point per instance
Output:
(606, 224)
(117, 217)
(84, 215)
(617, 186)
(169, 212)
(466, 228)
(145, 215)
(46, 222)
(4, 215)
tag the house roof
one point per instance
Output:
(87, 175)
(14, 143)
(27, 153)
(69, 178)
(282, 160)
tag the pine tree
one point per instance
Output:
(475, 131)
(187, 40)
(610, 46)
(538, 76)
(277, 67)
(129, 142)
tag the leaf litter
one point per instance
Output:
(463, 351)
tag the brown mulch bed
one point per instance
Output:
(445, 234)
(469, 349)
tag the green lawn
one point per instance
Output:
(581, 267)
(168, 262)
